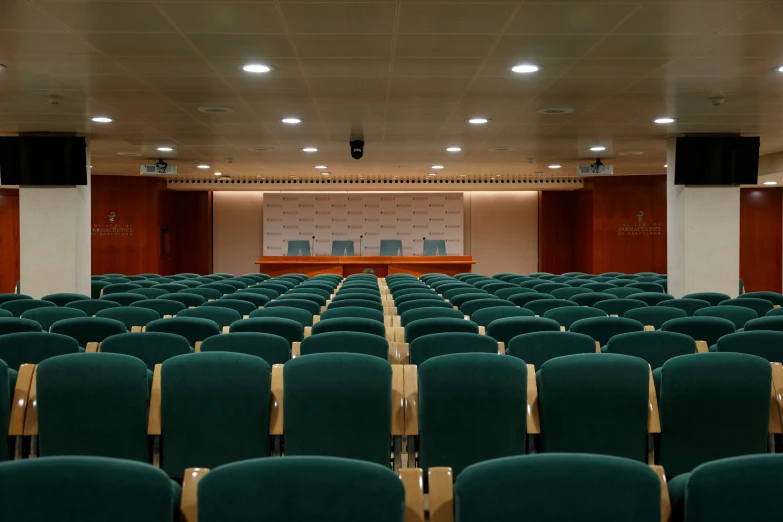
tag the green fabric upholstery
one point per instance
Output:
(461, 299)
(373, 305)
(688, 305)
(206, 293)
(243, 307)
(346, 342)
(714, 298)
(16, 324)
(270, 293)
(418, 290)
(485, 316)
(93, 404)
(428, 346)
(225, 289)
(214, 410)
(648, 287)
(568, 293)
(602, 329)
(290, 330)
(619, 306)
(417, 296)
(475, 305)
(503, 330)
(5, 313)
(622, 292)
(761, 306)
(162, 306)
(556, 488)
(116, 279)
(20, 306)
(536, 348)
(542, 306)
(654, 316)
(21, 348)
(495, 287)
(311, 292)
(145, 284)
(293, 294)
(172, 288)
(708, 329)
(303, 304)
(547, 288)
(739, 315)
(761, 343)
(62, 299)
(193, 329)
(86, 489)
(350, 324)
(591, 299)
(419, 304)
(301, 489)
(352, 311)
(277, 287)
(472, 407)
(4, 298)
(774, 297)
(654, 347)
(568, 315)
(343, 397)
(599, 287)
(407, 317)
(765, 323)
(151, 347)
(303, 317)
(189, 300)
(723, 393)
(652, 298)
(452, 293)
(88, 329)
(96, 287)
(120, 288)
(92, 306)
(421, 327)
(239, 282)
(124, 299)
(47, 316)
(130, 316)
(271, 348)
(612, 393)
(150, 293)
(222, 316)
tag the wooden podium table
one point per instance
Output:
(347, 265)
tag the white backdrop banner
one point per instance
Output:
(408, 217)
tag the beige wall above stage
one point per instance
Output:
(237, 231)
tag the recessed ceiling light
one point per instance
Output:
(597, 148)
(203, 166)
(324, 173)
(780, 69)
(2, 66)
(292, 121)
(453, 149)
(321, 167)
(666, 166)
(257, 68)
(525, 68)
(770, 182)
(309, 149)
(165, 149)
(218, 173)
(102, 119)
(665, 120)
(432, 174)
(437, 167)
(478, 121)
(554, 166)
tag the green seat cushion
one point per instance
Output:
(346, 342)
(433, 345)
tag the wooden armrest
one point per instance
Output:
(562, 329)
(502, 348)
(653, 419)
(666, 507)
(136, 329)
(296, 349)
(597, 347)
(246, 316)
(92, 348)
(168, 316)
(394, 353)
(276, 399)
(188, 505)
(702, 347)
(776, 402)
(399, 334)
(323, 309)
(20, 400)
(398, 400)
(482, 330)
(413, 481)
(308, 330)
(388, 321)
(316, 318)
(397, 322)
(153, 422)
(441, 483)
(649, 328)
(403, 353)
(533, 422)
(411, 386)
(197, 347)
(31, 414)
(389, 333)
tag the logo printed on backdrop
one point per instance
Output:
(640, 227)
(375, 217)
(112, 228)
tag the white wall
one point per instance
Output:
(237, 231)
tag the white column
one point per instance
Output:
(54, 231)
(702, 236)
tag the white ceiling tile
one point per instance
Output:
(465, 18)
(339, 17)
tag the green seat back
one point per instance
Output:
(765, 323)
(271, 348)
(21, 348)
(343, 397)
(88, 329)
(303, 304)
(243, 307)
(475, 305)
(714, 298)
(20, 306)
(373, 305)
(761, 306)
(553, 488)
(433, 325)
(151, 347)
(304, 296)
(472, 407)
(352, 311)
(290, 330)
(4, 298)
(485, 316)
(92, 404)
(654, 316)
(651, 298)
(96, 287)
(206, 293)
(303, 317)
(761, 343)
(408, 316)
(350, 324)
(222, 316)
(454, 292)
(495, 287)
(16, 324)
(433, 345)
(418, 304)
(124, 299)
(193, 329)
(130, 316)
(602, 329)
(619, 306)
(226, 289)
(47, 316)
(461, 299)
(5, 313)
(189, 300)
(503, 330)
(162, 306)
(270, 293)
(91, 306)
(62, 299)
(654, 347)
(548, 287)
(622, 291)
(591, 299)
(536, 348)
(346, 342)
(708, 329)
(310, 290)
(542, 306)
(120, 288)
(214, 410)
(724, 393)
(648, 287)
(774, 297)
(569, 292)
(688, 305)
(739, 315)
(568, 315)
(150, 293)
(336, 489)
(613, 393)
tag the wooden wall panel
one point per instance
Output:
(761, 231)
(9, 239)
(582, 256)
(556, 231)
(193, 241)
